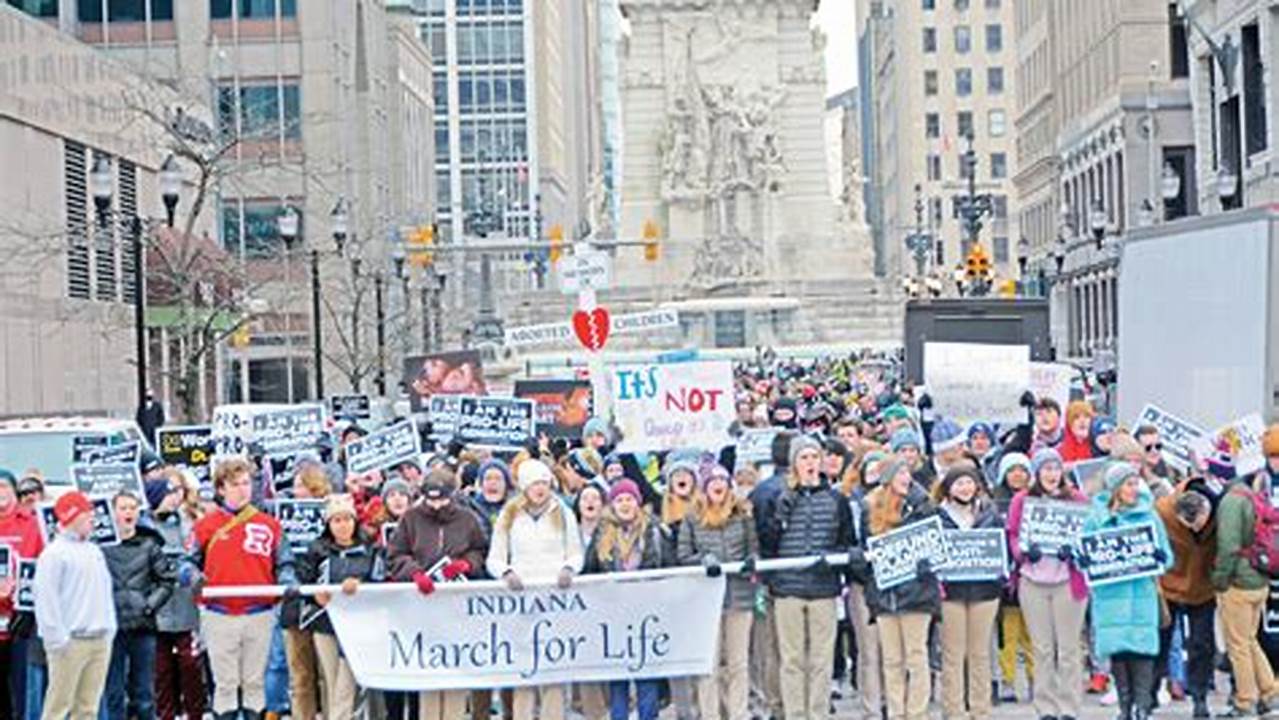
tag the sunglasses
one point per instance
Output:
(1156, 447)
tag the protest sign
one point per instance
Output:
(388, 532)
(389, 446)
(755, 445)
(452, 373)
(122, 454)
(105, 532)
(1242, 438)
(443, 413)
(563, 406)
(1052, 380)
(495, 422)
(895, 555)
(562, 332)
(7, 557)
(1050, 524)
(1089, 475)
(1121, 553)
(187, 446)
(480, 635)
(975, 555)
(1179, 437)
(357, 407)
(82, 445)
(107, 479)
(971, 382)
(288, 430)
(25, 599)
(301, 520)
(662, 407)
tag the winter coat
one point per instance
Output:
(733, 542)
(20, 530)
(534, 547)
(858, 573)
(1078, 584)
(363, 561)
(246, 547)
(142, 578)
(1073, 449)
(985, 517)
(425, 536)
(922, 594)
(764, 502)
(650, 552)
(178, 614)
(486, 511)
(1236, 531)
(1189, 582)
(1125, 614)
(808, 520)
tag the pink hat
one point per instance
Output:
(625, 486)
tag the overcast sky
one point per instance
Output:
(840, 24)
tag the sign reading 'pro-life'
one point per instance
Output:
(1121, 553)
(480, 635)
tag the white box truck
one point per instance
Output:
(1199, 318)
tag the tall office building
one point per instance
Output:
(312, 103)
(936, 72)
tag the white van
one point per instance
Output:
(51, 444)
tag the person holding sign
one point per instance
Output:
(1053, 595)
(968, 612)
(75, 612)
(1126, 612)
(903, 612)
(20, 530)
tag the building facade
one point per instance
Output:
(935, 74)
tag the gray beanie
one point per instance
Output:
(801, 443)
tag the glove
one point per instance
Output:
(1027, 400)
(425, 584)
(711, 563)
(748, 565)
(1033, 553)
(925, 402)
(456, 569)
(292, 592)
(565, 579)
(188, 576)
(513, 582)
(923, 567)
(1065, 553)
(1160, 556)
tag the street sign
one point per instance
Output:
(562, 332)
(586, 270)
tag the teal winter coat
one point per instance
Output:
(1125, 614)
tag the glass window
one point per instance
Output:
(932, 125)
(999, 205)
(998, 166)
(994, 37)
(259, 231)
(38, 8)
(251, 9)
(441, 142)
(995, 80)
(1001, 249)
(964, 123)
(440, 92)
(934, 167)
(929, 4)
(443, 192)
(259, 112)
(961, 5)
(930, 40)
(117, 10)
(997, 122)
(930, 82)
(992, 4)
(965, 166)
(517, 93)
(963, 39)
(465, 94)
(963, 82)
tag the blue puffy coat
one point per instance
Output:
(1125, 614)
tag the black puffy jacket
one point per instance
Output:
(988, 517)
(807, 521)
(363, 561)
(142, 578)
(922, 594)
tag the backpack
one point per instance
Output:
(1263, 553)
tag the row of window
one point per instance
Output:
(260, 112)
(490, 43)
(996, 124)
(964, 39)
(471, 7)
(998, 166)
(94, 11)
(962, 5)
(487, 92)
(964, 82)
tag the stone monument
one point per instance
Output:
(723, 105)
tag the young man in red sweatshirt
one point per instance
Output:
(237, 544)
(20, 530)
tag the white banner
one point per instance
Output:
(972, 382)
(480, 635)
(663, 407)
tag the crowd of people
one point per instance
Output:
(126, 631)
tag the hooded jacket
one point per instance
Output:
(426, 535)
(142, 578)
(923, 594)
(363, 561)
(1189, 582)
(1125, 614)
(178, 614)
(985, 516)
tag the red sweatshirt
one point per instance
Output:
(252, 552)
(1073, 449)
(20, 530)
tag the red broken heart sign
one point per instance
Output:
(592, 327)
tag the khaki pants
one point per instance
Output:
(482, 703)
(1015, 639)
(1240, 615)
(339, 684)
(77, 675)
(806, 641)
(870, 673)
(1055, 619)
(299, 650)
(594, 700)
(550, 696)
(766, 683)
(903, 641)
(965, 642)
(728, 687)
(444, 705)
(238, 650)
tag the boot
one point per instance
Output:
(233, 715)
(1201, 709)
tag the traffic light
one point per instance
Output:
(977, 264)
(556, 237)
(242, 336)
(421, 243)
(651, 234)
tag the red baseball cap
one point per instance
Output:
(71, 506)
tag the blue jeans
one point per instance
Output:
(277, 674)
(131, 676)
(37, 680)
(619, 699)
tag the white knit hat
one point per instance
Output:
(533, 472)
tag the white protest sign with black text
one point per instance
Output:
(1052, 380)
(1179, 437)
(971, 382)
(1051, 524)
(392, 445)
(301, 520)
(1121, 553)
(107, 479)
(663, 407)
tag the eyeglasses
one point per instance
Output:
(1156, 447)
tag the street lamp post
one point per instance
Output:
(1169, 186)
(972, 207)
(918, 242)
(381, 334)
(1097, 220)
(288, 226)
